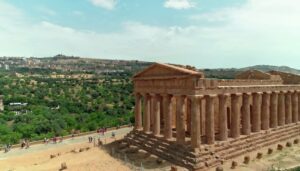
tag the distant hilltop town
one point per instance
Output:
(71, 63)
(94, 66)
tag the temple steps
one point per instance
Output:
(211, 155)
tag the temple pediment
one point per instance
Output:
(159, 70)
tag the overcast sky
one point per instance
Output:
(203, 33)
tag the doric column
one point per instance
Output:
(256, 110)
(152, 106)
(210, 119)
(223, 127)
(167, 109)
(195, 124)
(180, 123)
(156, 126)
(295, 107)
(298, 93)
(265, 111)
(274, 110)
(235, 115)
(188, 115)
(281, 108)
(288, 108)
(246, 119)
(146, 117)
(138, 111)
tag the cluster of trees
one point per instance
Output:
(59, 106)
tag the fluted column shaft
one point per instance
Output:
(246, 119)
(288, 108)
(265, 111)
(195, 124)
(156, 126)
(274, 110)
(210, 119)
(167, 107)
(146, 117)
(295, 102)
(298, 93)
(138, 111)
(223, 127)
(256, 110)
(281, 109)
(188, 118)
(152, 106)
(235, 115)
(180, 124)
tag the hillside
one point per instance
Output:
(230, 73)
(267, 68)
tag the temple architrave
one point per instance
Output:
(201, 123)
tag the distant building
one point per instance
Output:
(6, 67)
(18, 104)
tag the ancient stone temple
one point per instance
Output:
(200, 123)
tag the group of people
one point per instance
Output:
(91, 139)
(25, 144)
(101, 131)
(54, 140)
(7, 148)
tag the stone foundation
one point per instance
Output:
(210, 156)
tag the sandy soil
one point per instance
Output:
(288, 158)
(113, 157)
(90, 160)
(109, 157)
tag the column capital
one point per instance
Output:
(277, 92)
(283, 91)
(137, 93)
(267, 92)
(178, 95)
(211, 95)
(166, 95)
(248, 94)
(145, 94)
(224, 95)
(237, 94)
(154, 95)
(195, 97)
(259, 93)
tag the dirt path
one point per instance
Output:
(37, 157)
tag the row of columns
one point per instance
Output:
(267, 110)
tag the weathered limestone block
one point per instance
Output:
(259, 155)
(174, 168)
(52, 156)
(234, 164)
(219, 168)
(279, 147)
(246, 159)
(63, 166)
(81, 149)
(270, 151)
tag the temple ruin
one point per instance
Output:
(200, 123)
